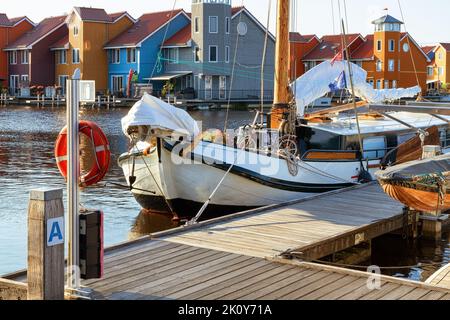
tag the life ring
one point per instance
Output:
(99, 149)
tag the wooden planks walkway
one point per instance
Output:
(162, 270)
(314, 227)
(441, 277)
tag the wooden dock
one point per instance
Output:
(441, 278)
(262, 254)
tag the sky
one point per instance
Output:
(428, 21)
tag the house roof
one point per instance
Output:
(181, 38)
(62, 43)
(386, 19)
(365, 50)
(4, 21)
(235, 10)
(92, 14)
(329, 46)
(428, 49)
(45, 27)
(146, 25)
(297, 37)
(446, 46)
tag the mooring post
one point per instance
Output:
(46, 245)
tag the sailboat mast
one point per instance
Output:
(281, 88)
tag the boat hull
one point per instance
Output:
(147, 188)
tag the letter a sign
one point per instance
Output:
(55, 231)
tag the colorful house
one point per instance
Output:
(30, 62)
(82, 48)
(391, 58)
(438, 70)
(137, 48)
(300, 46)
(10, 31)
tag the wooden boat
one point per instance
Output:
(420, 185)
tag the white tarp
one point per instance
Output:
(316, 83)
(159, 115)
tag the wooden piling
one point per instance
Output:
(45, 249)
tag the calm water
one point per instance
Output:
(27, 137)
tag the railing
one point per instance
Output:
(208, 95)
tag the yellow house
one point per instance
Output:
(89, 29)
(438, 71)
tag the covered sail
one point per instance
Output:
(159, 115)
(421, 185)
(321, 79)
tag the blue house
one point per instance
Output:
(137, 48)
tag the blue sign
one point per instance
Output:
(55, 231)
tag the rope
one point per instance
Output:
(266, 39)
(332, 17)
(232, 76)
(410, 48)
(158, 64)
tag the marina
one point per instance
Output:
(200, 153)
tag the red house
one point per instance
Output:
(10, 30)
(30, 61)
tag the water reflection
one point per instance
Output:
(148, 222)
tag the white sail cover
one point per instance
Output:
(159, 115)
(316, 83)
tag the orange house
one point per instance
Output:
(392, 58)
(300, 45)
(10, 31)
(438, 70)
(89, 30)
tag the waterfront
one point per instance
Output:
(27, 137)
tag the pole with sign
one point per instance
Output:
(77, 91)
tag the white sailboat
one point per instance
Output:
(291, 157)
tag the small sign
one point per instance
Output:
(87, 91)
(55, 231)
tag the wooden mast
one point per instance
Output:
(282, 60)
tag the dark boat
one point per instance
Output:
(420, 185)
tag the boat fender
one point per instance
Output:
(100, 151)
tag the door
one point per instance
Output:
(117, 84)
(208, 87)
(222, 87)
(14, 84)
(63, 83)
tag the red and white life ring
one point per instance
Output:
(102, 153)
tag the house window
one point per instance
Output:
(391, 65)
(379, 47)
(213, 54)
(227, 25)
(114, 56)
(62, 82)
(13, 57)
(197, 54)
(391, 45)
(371, 82)
(440, 55)
(188, 81)
(24, 56)
(61, 56)
(197, 25)
(227, 54)
(13, 83)
(24, 80)
(441, 71)
(386, 84)
(131, 55)
(378, 84)
(173, 55)
(117, 84)
(213, 24)
(75, 31)
(75, 56)
(379, 65)
(430, 71)
(394, 84)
